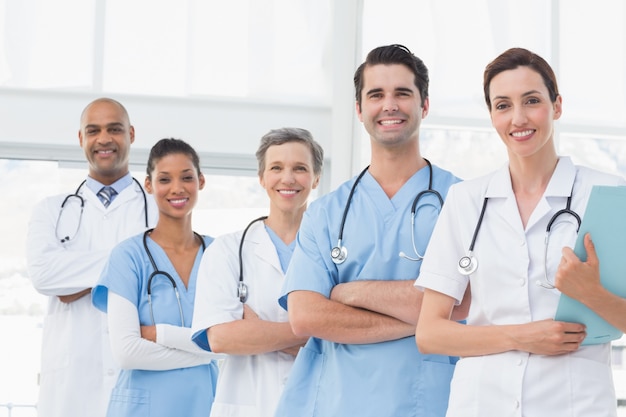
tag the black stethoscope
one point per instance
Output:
(242, 288)
(339, 253)
(166, 275)
(468, 263)
(82, 206)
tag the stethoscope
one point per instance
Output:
(166, 275)
(82, 206)
(468, 264)
(339, 253)
(242, 288)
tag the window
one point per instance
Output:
(227, 203)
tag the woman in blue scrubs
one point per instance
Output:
(147, 290)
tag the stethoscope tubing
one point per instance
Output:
(468, 264)
(242, 288)
(339, 253)
(77, 195)
(166, 275)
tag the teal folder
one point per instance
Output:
(605, 219)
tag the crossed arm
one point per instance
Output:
(251, 336)
(357, 312)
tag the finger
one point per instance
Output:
(568, 255)
(592, 256)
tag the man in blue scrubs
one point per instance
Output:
(360, 312)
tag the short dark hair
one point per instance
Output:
(520, 57)
(169, 146)
(290, 134)
(393, 54)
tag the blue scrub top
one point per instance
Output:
(383, 379)
(185, 391)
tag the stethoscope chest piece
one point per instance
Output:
(339, 254)
(468, 264)
(242, 292)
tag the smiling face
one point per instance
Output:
(391, 107)
(175, 183)
(105, 136)
(288, 177)
(522, 112)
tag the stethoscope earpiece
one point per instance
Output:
(405, 256)
(339, 254)
(468, 264)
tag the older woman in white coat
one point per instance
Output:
(240, 280)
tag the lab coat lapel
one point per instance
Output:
(92, 199)
(263, 247)
(502, 200)
(560, 185)
(126, 195)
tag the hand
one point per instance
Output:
(549, 337)
(149, 333)
(575, 278)
(70, 298)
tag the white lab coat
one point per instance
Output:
(504, 291)
(248, 385)
(77, 369)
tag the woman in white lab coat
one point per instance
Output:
(250, 325)
(517, 360)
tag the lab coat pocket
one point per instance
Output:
(465, 387)
(129, 402)
(592, 390)
(55, 356)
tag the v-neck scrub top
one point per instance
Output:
(176, 390)
(378, 379)
(504, 291)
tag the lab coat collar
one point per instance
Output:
(560, 184)
(263, 246)
(562, 181)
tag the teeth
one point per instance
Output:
(182, 200)
(521, 134)
(287, 191)
(107, 151)
(390, 122)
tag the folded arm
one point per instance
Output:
(437, 333)
(252, 335)
(312, 314)
(398, 299)
(55, 269)
(134, 352)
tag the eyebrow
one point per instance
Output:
(526, 94)
(398, 89)
(184, 171)
(113, 124)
